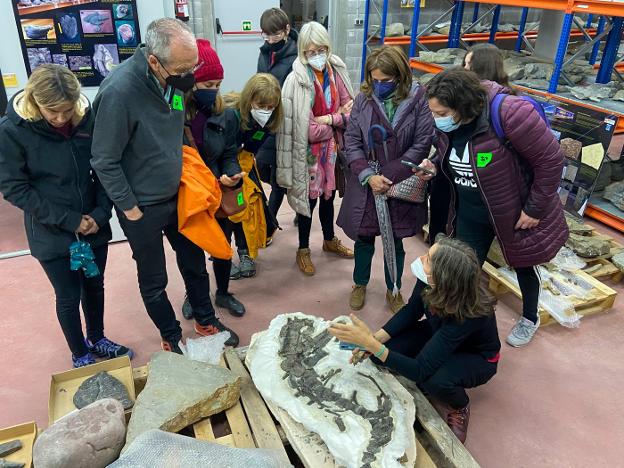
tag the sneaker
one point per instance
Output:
(229, 302)
(335, 246)
(358, 297)
(82, 361)
(171, 346)
(108, 349)
(247, 264)
(522, 332)
(395, 303)
(457, 420)
(269, 241)
(187, 310)
(215, 326)
(304, 262)
(235, 272)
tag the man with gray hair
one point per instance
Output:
(137, 155)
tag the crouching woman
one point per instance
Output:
(454, 348)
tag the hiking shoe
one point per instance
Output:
(522, 332)
(171, 346)
(457, 420)
(235, 272)
(108, 349)
(304, 262)
(358, 297)
(229, 302)
(82, 361)
(187, 310)
(247, 265)
(335, 246)
(213, 327)
(395, 303)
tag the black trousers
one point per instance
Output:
(479, 236)
(73, 287)
(268, 174)
(461, 371)
(146, 242)
(222, 267)
(326, 216)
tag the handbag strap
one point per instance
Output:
(191, 139)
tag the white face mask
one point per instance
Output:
(419, 270)
(261, 116)
(318, 61)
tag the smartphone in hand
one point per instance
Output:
(417, 168)
(347, 346)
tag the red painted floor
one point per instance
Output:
(554, 403)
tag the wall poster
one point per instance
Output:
(89, 37)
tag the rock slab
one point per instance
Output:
(615, 194)
(618, 261)
(89, 438)
(588, 246)
(102, 385)
(571, 148)
(180, 392)
(10, 447)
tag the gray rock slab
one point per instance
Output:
(618, 261)
(615, 194)
(10, 464)
(89, 438)
(588, 246)
(102, 385)
(10, 447)
(577, 227)
(180, 392)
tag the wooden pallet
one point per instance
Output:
(601, 267)
(250, 425)
(600, 301)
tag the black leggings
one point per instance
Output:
(71, 288)
(460, 371)
(480, 236)
(222, 268)
(326, 216)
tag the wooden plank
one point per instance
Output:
(203, 430)
(139, 374)
(446, 447)
(239, 427)
(262, 425)
(227, 440)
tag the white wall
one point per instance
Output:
(11, 58)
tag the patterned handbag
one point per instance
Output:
(413, 190)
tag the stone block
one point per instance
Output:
(588, 246)
(615, 194)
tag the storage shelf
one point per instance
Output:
(604, 217)
(595, 7)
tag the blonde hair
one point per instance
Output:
(263, 90)
(312, 33)
(390, 61)
(48, 87)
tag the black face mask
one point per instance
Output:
(276, 46)
(183, 82)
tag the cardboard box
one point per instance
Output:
(64, 385)
(26, 433)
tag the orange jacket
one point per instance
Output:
(199, 198)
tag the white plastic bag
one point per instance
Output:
(206, 348)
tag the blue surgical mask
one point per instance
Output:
(383, 89)
(205, 98)
(418, 270)
(446, 124)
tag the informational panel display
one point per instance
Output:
(89, 37)
(585, 135)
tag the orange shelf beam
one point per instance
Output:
(474, 37)
(596, 7)
(605, 217)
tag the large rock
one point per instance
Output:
(595, 92)
(102, 385)
(180, 392)
(618, 261)
(571, 147)
(89, 438)
(615, 194)
(395, 29)
(578, 227)
(588, 246)
(443, 56)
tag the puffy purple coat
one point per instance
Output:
(523, 178)
(410, 136)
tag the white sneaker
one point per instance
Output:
(522, 332)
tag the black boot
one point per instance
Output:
(187, 310)
(229, 302)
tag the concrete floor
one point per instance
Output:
(551, 404)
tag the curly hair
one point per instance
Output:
(460, 90)
(458, 290)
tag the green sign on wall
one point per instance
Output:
(246, 25)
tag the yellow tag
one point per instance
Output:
(10, 80)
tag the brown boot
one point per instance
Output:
(304, 262)
(395, 303)
(335, 246)
(358, 297)
(457, 420)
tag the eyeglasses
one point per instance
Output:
(186, 73)
(314, 53)
(273, 37)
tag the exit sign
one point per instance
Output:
(246, 26)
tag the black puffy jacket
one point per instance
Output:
(50, 178)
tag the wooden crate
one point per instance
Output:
(26, 434)
(250, 424)
(601, 268)
(601, 300)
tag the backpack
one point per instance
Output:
(495, 115)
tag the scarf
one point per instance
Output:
(322, 155)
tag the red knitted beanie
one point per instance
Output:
(211, 68)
